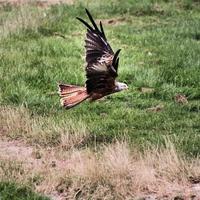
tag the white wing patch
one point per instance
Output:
(107, 59)
(100, 67)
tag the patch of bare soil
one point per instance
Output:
(181, 99)
(35, 161)
(113, 21)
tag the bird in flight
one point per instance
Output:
(101, 69)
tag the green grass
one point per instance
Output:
(160, 42)
(12, 191)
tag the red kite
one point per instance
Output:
(101, 69)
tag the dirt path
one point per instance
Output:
(15, 149)
(34, 156)
(38, 162)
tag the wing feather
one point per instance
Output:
(101, 27)
(102, 62)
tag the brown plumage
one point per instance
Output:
(101, 69)
(72, 95)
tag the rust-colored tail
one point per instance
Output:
(72, 95)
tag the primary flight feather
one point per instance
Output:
(101, 69)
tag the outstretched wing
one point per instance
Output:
(102, 62)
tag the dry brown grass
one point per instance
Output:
(41, 3)
(17, 123)
(119, 173)
(11, 169)
(26, 14)
(23, 17)
(115, 172)
(57, 167)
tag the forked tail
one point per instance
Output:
(72, 95)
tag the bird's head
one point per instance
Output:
(120, 86)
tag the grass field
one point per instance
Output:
(160, 42)
(11, 191)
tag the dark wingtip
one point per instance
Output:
(116, 59)
(118, 51)
(116, 64)
(116, 55)
(92, 20)
(86, 10)
(85, 23)
(102, 31)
